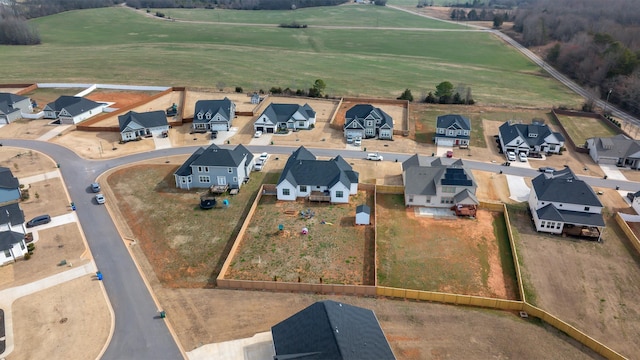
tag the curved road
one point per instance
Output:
(138, 333)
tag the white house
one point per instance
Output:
(72, 109)
(304, 176)
(452, 130)
(560, 203)
(285, 117)
(12, 106)
(133, 124)
(529, 138)
(12, 230)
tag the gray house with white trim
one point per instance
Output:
(215, 166)
(366, 121)
(9, 187)
(12, 106)
(619, 150)
(560, 202)
(529, 138)
(285, 117)
(12, 229)
(133, 124)
(304, 176)
(72, 109)
(214, 115)
(452, 130)
(441, 183)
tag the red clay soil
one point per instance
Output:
(121, 99)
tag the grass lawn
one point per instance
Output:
(335, 251)
(354, 15)
(460, 256)
(131, 48)
(582, 128)
(185, 245)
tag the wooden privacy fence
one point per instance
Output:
(333, 289)
(633, 239)
(457, 299)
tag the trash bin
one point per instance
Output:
(163, 314)
(58, 165)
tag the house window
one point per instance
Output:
(203, 169)
(557, 225)
(466, 132)
(235, 179)
(230, 170)
(208, 116)
(542, 223)
(446, 200)
(286, 192)
(7, 253)
(183, 180)
(339, 194)
(200, 116)
(448, 189)
(586, 208)
(204, 179)
(303, 188)
(22, 245)
(353, 125)
(440, 131)
(189, 180)
(301, 123)
(428, 199)
(410, 198)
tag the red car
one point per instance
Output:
(449, 153)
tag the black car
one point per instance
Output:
(39, 220)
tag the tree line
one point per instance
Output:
(234, 4)
(597, 43)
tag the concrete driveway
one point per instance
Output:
(612, 172)
(159, 141)
(518, 188)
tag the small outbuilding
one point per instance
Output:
(363, 215)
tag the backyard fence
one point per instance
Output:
(580, 147)
(633, 239)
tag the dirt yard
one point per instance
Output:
(492, 187)
(460, 256)
(68, 321)
(24, 162)
(335, 250)
(591, 285)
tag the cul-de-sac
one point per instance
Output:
(319, 179)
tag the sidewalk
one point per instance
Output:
(8, 296)
(40, 177)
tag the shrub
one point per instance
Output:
(31, 247)
(238, 89)
(27, 256)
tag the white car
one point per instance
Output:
(257, 134)
(100, 199)
(522, 157)
(374, 157)
(263, 157)
(357, 142)
(511, 156)
(258, 165)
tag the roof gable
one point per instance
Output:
(144, 120)
(302, 168)
(331, 330)
(7, 180)
(280, 113)
(453, 121)
(222, 107)
(73, 105)
(564, 187)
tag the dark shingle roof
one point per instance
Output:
(214, 107)
(10, 98)
(618, 146)
(423, 180)
(146, 119)
(564, 187)
(11, 214)
(360, 111)
(328, 330)
(455, 120)
(363, 209)
(302, 168)
(215, 156)
(75, 105)
(551, 213)
(6, 108)
(7, 180)
(509, 131)
(279, 113)
(8, 238)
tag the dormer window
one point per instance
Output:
(199, 116)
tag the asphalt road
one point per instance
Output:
(139, 333)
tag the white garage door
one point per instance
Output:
(219, 127)
(445, 142)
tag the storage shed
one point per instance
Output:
(363, 215)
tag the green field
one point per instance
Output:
(582, 128)
(351, 15)
(118, 45)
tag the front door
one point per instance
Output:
(222, 180)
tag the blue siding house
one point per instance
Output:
(215, 166)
